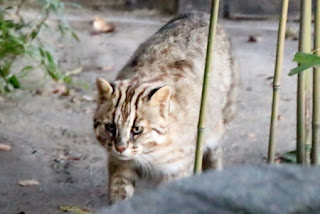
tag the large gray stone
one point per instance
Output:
(265, 189)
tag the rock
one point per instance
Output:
(265, 189)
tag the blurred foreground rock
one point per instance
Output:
(266, 189)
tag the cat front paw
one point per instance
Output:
(120, 189)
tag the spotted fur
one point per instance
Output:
(147, 118)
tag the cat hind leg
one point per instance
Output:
(212, 159)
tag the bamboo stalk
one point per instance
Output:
(316, 92)
(276, 79)
(308, 84)
(304, 86)
(208, 68)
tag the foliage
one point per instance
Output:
(305, 60)
(19, 38)
(291, 156)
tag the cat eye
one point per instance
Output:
(137, 130)
(110, 127)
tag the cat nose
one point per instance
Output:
(121, 148)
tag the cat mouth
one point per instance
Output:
(121, 156)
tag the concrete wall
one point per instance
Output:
(242, 8)
(165, 6)
(229, 8)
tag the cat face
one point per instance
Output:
(131, 119)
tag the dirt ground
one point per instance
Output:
(52, 138)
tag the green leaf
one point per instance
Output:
(41, 52)
(34, 34)
(5, 70)
(67, 79)
(49, 57)
(13, 80)
(61, 29)
(27, 68)
(75, 71)
(53, 72)
(75, 36)
(299, 69)
(305, 60)
(289, 157)
(74, 209)
(25, 71)
(9, 88)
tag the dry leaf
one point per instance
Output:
(102, 26)
(63, 90)
(251, 135)
(107, 68)
(60, 89)
(73, 158)
(63, 157)
(87, 98)
(75, 99)
(75, 71)
(165, 20)
(74, 209)
(30, 182)
(5, 147)
(87, 110)
(286, 99)
(39, 92)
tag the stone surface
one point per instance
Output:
(263, 190)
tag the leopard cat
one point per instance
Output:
(147, 118)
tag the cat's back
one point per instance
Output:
(175, 56)
(177, 50)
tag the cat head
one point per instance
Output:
(131, 119)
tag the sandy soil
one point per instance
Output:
(51, 136)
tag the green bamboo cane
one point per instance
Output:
(208, 68)
(304, 90)
(316, 92)
(308, 84)
(276, 79)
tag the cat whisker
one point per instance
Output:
(146, 165)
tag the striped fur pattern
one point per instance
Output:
(147, 118)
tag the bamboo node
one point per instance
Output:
(276, 86)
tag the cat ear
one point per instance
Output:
(104, 88)
(160, 96)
